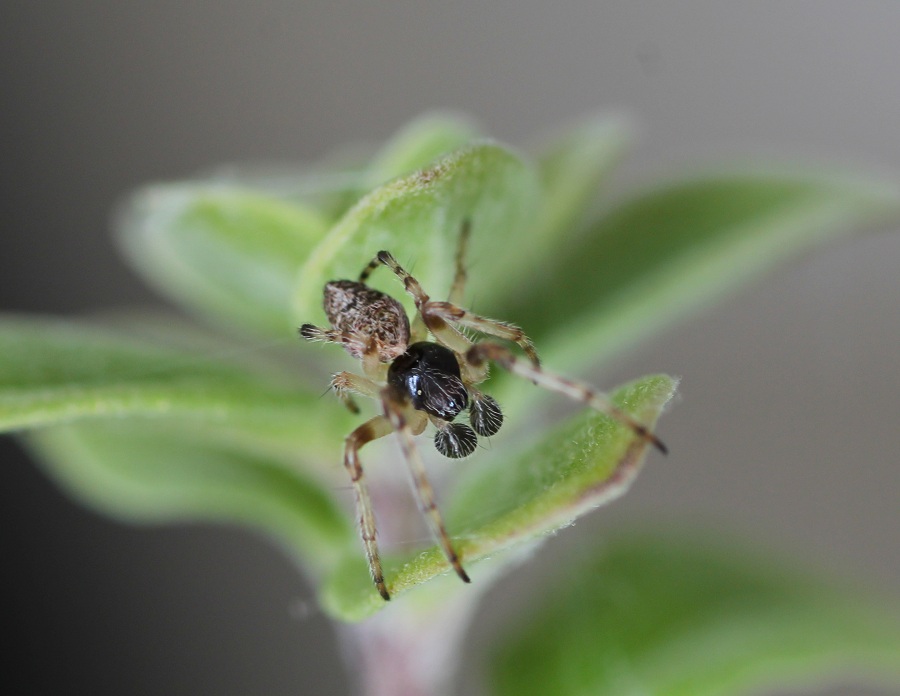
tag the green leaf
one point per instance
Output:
(333, 184)
(415, 146)
(512, 501)
(418, 219)
(328, 186)
(55, 371)
(572, 166)
(228, 252)
(651, 260)
(152, 472)
(693, 616)
(418, 144)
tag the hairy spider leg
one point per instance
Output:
(368, 270)
(406, 427)
(399, 415)
(417, 330)
(360, 343)
(458, 316)
(407, 423)
(372, 429)
(345, 383)
(314, 333)
(461, 276)
(457, 296)
(503, 356)
(363, 345)
(442, 317)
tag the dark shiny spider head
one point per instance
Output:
(428, 375)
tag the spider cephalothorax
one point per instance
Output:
(420, 381)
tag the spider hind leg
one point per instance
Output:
(478, 354)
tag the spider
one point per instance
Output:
(419, 381)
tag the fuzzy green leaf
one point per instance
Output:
(572, 165)
(418, 144)
(328, 186)
(229, 252)
(691, 616)
(415, 146)
(55, 371)
(160, 471)
(336, 182)
(418, 219)
(677, 248)
(512, 501)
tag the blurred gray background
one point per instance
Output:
(787, 428)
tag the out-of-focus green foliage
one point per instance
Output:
(147, 429)
(693, 615)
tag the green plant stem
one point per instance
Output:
(405, 651)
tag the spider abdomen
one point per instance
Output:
(428, 374)
(357, 310)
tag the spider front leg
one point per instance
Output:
(363, 347)
(446, 312)
(356, 344)
(480, 353)
(442, 317)
(406, 422)
(346, 383)
(461, 276)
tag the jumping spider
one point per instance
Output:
(418, 381)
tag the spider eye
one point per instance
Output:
(455, 441)
(485, 416)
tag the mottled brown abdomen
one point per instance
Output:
(357, 310)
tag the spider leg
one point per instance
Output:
(396, 412)
(375, 428)
(443, 332)
(441, 318)
(418, 331)
(459, 279)
(503, 356)
(346, 383)
(359, 346)
(410, 284)
(449, 313)
(369, 269)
